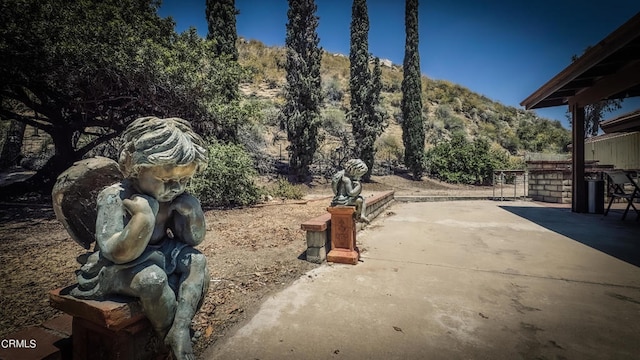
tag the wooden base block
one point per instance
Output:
(115, 313)
(114, 329)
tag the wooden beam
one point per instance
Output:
(625, 78)
(579, 84)
(603, 69)
(552, 102)
(578, 188)
(562, 94)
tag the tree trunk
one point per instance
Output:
(12, 145)
(43, 180)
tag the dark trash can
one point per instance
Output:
(595, 196)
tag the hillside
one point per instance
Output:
(448, 108)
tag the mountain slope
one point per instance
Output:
(448, 107)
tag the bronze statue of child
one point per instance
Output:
(147, 227)
(347, 187)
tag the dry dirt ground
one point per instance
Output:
(252, 252)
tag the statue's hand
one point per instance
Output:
(141, 204)
(185, 205)
(122, 244)
(188, 223)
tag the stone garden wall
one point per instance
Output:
(550, 181)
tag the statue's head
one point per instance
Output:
(161, 155)
(355, 168)
(151, 141)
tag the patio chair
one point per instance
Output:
(619, 182)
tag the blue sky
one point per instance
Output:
(502, 49)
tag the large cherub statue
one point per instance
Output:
(347, 187)
(146, 229)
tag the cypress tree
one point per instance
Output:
(222, 36)
(375, 115)
(303, 96)
(367, 123)
(376, 86)
(221, 20)
(375, 120)
(412, 122)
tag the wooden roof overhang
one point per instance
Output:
(624, 123)
(608, 70)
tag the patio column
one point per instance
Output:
(578, 191)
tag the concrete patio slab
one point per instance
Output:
(462, 280)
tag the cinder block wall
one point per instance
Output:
(550, 181)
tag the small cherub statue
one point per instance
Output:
(346, 187)
(147, 227)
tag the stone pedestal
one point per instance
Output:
(343, 235)
(318, 238)
(116, 329)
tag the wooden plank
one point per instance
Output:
(112, 314)
(318, 223)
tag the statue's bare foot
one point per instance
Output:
(179, 340)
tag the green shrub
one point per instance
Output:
(333, 91)
(228, 180)
(453, 123)
(283, 189)
(461, 161)
(389, 147)
(333, 121)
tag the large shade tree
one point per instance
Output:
(82, 70)
(303, 91)
(594, 113)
